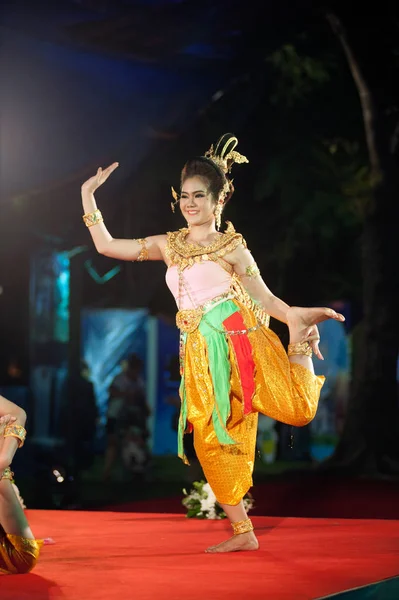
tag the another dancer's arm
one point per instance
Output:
(122, 249)
(24, 551)
(10, 414)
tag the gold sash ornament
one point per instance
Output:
(187, 320)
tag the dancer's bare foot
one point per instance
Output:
(237, 543)
(302, 323)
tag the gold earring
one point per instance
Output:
(218, 214)
(176, 197)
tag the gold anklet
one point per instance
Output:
(303, 348)
(8, 474)
(240, 527)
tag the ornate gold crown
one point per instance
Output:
(226, 156)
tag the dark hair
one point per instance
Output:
(204, 167)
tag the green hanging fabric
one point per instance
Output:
(182, 423)
(219, 365)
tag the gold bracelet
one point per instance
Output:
(143, 255)
(93, 218)
(252, 271)
(16, 431)
(8, 474)
(303, 348)
(242, 526)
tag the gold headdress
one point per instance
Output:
(224, 154)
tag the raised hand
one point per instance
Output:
(99, 178)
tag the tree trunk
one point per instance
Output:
(369, 442)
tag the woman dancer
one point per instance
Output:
(19, 550)
(232, 365)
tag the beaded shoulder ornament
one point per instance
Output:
(184, 254)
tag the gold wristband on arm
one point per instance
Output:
(303, 348)
(93, 218)
(252, 271)
(16, 431)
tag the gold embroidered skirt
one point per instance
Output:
(226, 380)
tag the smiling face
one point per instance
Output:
(197, 203)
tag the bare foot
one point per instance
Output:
(302, 323)
(305, 317)
(243, 542)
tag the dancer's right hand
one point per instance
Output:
(99, 178)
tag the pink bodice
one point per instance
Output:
(205, 281)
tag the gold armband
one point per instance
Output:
(252, 271)
(143, 255)
(303, 348)
(93, 218)
(16, 431)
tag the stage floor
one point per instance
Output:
(109, 555)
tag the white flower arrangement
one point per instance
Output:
(201, 502)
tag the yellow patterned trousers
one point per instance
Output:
(220, 405)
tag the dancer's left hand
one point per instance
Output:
(303, 322)
(313, 337)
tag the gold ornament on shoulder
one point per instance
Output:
(184, 254)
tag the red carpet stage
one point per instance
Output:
(110, 555)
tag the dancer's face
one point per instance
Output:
(197, 203)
